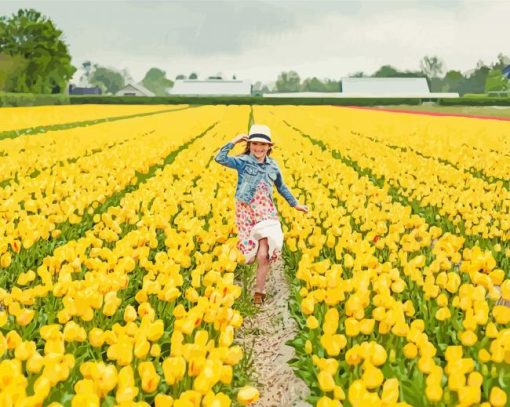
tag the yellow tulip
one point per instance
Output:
(410, 350)
(468, 338)
(352, 327)
(326, 381)
(163, 400)
(366, 326)
(434, 393)
(497, 397)
(307, 305)
(247, 395)
(174, 369)
(333, 344)
(130, 314)
(25, 317)
(96, 337)
(325, 401)
(308, 347)
(372, 377)
(312, 322)
(149, 376)
(390, 392)
(501, 314)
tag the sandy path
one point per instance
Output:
(267, 332)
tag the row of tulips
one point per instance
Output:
(391, 309)
(141, 310)
(439, 135)
(24, 118)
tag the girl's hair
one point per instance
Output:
(247, 149)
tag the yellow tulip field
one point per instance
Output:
(121, 283)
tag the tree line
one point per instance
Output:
(482, 78)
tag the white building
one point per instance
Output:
(211, 87)
(376, 88)
(134, 89)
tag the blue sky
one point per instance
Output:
(259, 39)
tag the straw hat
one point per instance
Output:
(260, 133)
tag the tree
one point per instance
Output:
(358, 74)
(475, 82)
(180, 76)
(313, 85)
(496, 81)
(453, 81)
(256, 88)
(386, 71)
(432, 67)
(10, 66)
(107, 79)
(288, 82)
(193, 75)
(33, 37)
(155, 80)
(126, 75)
(87, 72)
(502, 63)
(265, 89)
(331, 85)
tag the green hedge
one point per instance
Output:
(31, 99)
(476, 101)
(240, 100)
(27, 99)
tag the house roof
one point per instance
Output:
(139, 87)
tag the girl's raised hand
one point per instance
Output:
(239, 138)
(302, 208)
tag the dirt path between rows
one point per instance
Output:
(267, 332)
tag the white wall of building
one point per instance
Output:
(216, 87)
(385, 86)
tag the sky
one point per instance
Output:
(256, 40)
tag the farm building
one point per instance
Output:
(134, 89)
(376, 88)
(385, 86)
(211, 87)
(78, 90)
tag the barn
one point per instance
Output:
(400, 87)
(134, 89)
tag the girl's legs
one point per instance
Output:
(262, 266)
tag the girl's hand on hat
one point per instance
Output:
(302, 208)
(239, 138)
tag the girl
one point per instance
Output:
(259, 229)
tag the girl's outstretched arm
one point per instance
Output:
(231, 162)
(284, 190)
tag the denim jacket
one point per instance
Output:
(250, 172)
